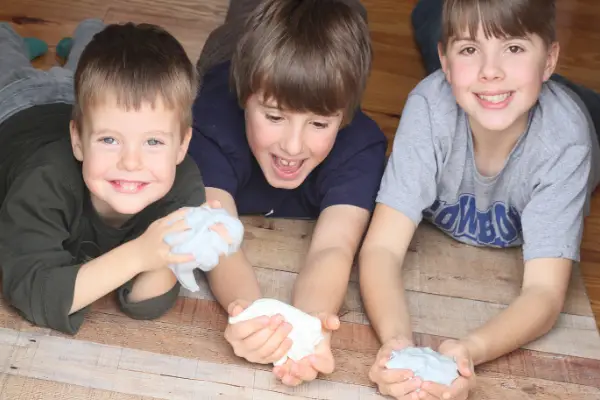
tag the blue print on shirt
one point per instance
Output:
(498, 226)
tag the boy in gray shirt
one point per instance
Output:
(494, 153)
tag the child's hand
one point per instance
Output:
(399, 384)
(219, 228)
(261, 340)
(151, 247)
(459, 390)
(293, 373)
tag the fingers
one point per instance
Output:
(282, 350)
(214, 204)
(395, 375)
(459, 390)
(176, 215)
(434, 389)
(277, 330)
(176, 226)
(402, 390)
(222, 231)
(323, 363)
(242, 330)
(276, 345)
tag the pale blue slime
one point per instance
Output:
(205, 244)
(425, 363)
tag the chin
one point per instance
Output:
(129, 209)
(283, 184)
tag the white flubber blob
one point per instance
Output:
(205, 244)
(425, 363)
(306, 331)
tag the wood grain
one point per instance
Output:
(137, 356)
(435, 263)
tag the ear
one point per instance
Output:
(551, 60)
(185, 144)
(443, 61)
(76, 141)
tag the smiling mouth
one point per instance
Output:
(287, 166)
(495, 98)
(130, 187)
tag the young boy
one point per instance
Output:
(84, 214)
(289, 140)
(494, 154)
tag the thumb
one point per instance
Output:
(214, 204)
(236, 307)
(329, 322)
(464, 367)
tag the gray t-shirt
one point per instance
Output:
(539, 198)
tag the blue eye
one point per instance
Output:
(154, 142)
(108, 140)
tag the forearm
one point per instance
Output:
(104, 274)
(530, 316)
(152, 284)
(383, 294)
(322, 283)
(234, 279)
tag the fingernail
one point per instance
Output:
(446, 395)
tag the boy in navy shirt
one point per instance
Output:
(287, 139)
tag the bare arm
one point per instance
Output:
(105, 273)
(322, 282)
(234, 278)
(380, 261)
(531, 315)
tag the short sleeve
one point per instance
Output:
(409, 181)
(210, 158)
(38, 273)
(356, 181)
(552, 221)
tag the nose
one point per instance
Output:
(491, 69)
(130, 159)
(292, 140)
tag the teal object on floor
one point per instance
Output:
(63, 48)
(35, 47)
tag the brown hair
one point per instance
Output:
(135, 63)
(307, 55)
(499, 18)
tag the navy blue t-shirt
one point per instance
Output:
(351, 173)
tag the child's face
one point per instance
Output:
(288, 145)
(498, 80)
(129, 157)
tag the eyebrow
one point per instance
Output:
(113, 132)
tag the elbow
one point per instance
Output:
(44, 296)
(550, 303)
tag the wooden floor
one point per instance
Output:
(452, 287)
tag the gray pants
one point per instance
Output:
(221, 42)
(23, 86)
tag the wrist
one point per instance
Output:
(476, 347)
(135, 253)
(385, 334)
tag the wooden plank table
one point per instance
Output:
(451, 287)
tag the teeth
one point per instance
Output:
(287, 163)
(129, 186)
(498, 98)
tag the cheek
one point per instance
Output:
(320, 143)
(261, 133)
(96, 164)
(463, 74)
